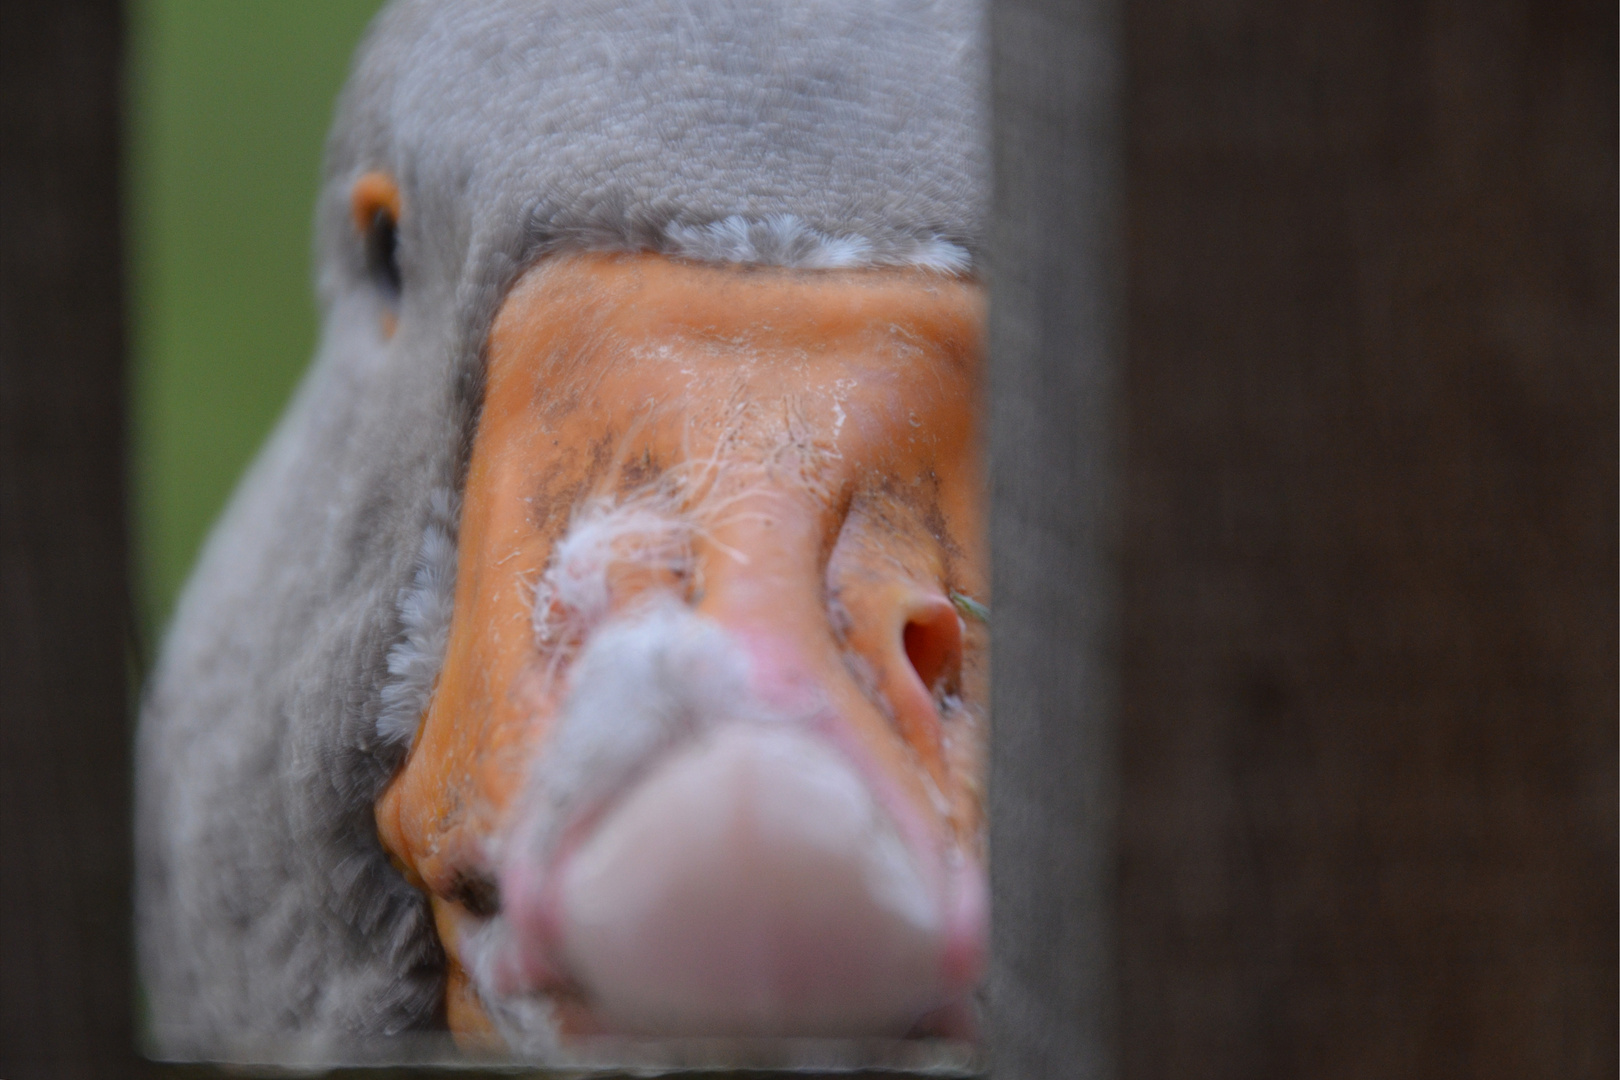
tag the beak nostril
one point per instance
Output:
(478, 894)
(933, 644)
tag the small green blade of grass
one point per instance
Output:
(971, 608)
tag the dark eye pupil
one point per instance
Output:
(382, 252)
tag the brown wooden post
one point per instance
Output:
(1368, 725)
(65, 980)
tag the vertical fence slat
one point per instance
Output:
(1054, 286)
(1368, 702)
(65, 989)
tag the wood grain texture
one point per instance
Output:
(1369, 588)
(65, 989)
(1055, 277)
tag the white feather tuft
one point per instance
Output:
(786, 240)
(425, 607)
(575, 594)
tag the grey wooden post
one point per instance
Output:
(1054, 357)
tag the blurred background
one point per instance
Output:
(227, 110)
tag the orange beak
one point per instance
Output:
(706, 752)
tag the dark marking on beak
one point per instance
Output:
(478, 894)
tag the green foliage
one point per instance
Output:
(228, 107)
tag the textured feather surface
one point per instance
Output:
(425, 608)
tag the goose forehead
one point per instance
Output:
(708, 125)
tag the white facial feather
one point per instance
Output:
(424, 615)
(786, 240)
(575, 594)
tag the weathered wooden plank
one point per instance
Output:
(1369, 589)
(65, 984)
(1055, 280)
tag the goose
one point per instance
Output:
(598, 645)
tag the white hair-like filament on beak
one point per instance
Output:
(631, 548)
(644, 535)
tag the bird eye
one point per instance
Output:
(374, 203)
(382, 252)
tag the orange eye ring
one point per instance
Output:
(374, 204)
(373, 193)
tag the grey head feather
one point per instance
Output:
(811, 133)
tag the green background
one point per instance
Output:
(228, 106)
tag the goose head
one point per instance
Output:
(599, 644)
